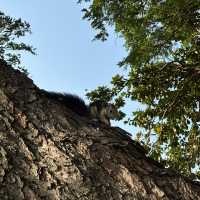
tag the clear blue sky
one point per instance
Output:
(67, 58)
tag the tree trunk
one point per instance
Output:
(49, 152)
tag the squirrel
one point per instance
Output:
(99, 111)
(103, 111)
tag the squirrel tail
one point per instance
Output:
(73, 102)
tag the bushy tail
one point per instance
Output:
(73, 102)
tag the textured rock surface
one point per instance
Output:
(48, 152)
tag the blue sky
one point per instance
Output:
(67, 58)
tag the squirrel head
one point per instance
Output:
(112, 112)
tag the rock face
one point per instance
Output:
(49, 152)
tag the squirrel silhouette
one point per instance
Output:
(99, 111)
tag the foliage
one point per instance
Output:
(162, 38)
(11, 30)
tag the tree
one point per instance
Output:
(49, 152)
(162, 39)
(11, 30)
